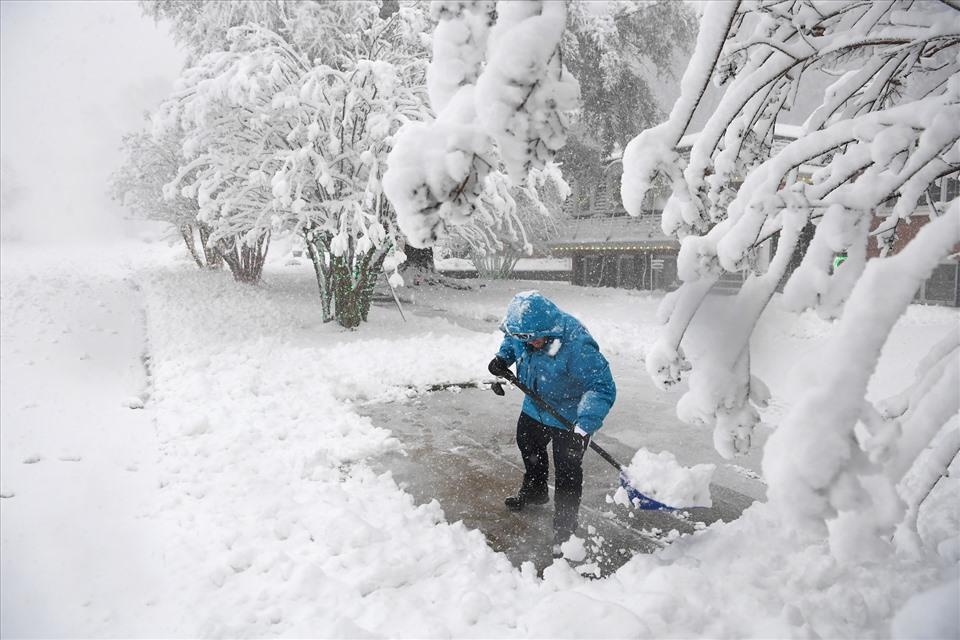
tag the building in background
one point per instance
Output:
(609, 248)
(943, 286)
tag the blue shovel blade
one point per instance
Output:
(639, 500)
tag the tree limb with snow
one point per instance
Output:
(503, 100)
(884, 130)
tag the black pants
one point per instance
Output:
(568, 449)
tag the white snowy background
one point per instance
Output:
(76, 77)
(181, 455)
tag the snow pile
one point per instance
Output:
(501, 94)
(573, 549)
(661, 477)
(932, 615)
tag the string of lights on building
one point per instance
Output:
(614, 247)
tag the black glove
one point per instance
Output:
(499, 367)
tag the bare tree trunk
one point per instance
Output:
(318, 250)
(345, 282)
(206, 257)
(186, 232)
(354, 287)
(212, 257)
(245, 262)
(370, 281)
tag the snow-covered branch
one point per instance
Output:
(502, 97)
(816, 468)
(883, 132)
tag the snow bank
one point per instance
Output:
(931, 615)
(661, 477)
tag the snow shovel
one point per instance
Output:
(638, 499)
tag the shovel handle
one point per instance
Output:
(569, 426)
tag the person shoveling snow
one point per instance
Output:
(557, 359)
(569, 391)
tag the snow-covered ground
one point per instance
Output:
(82, 548)
(239, 501)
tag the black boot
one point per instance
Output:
(558, 540)
(565, 518)
(527, 495)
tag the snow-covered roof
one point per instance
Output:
(780, 130)
(614, 231)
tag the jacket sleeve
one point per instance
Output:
(507, 350)
(592, 369)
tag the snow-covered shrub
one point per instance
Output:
(280, 143)
(503, 99)
(150, 163)
(884, 130)
(204, 27)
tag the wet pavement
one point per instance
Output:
(458, 447)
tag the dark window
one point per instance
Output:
(629, 274)
(942, 285)
(952, 188)
(592, 270)
(609, 269)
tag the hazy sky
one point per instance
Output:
(75, 76)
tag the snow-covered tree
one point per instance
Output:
(496, 243)
(150, 163)
(503, 98)
(886, 127)
(281, 143)
(203, 27)
(625, 54)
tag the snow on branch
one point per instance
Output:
(815, 467)
(884, 130)
(503, 99)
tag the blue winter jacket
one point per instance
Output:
(569, 372)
